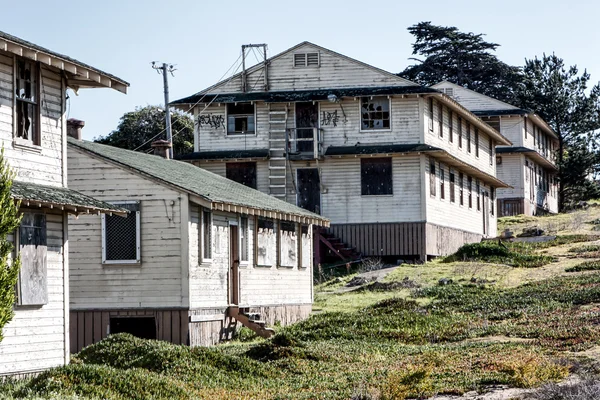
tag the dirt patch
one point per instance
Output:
(495, 393)
(498, 339)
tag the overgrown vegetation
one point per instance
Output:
(499, 253)
(585, 266)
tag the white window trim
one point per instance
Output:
(138, 236)
(28, 144)
(236, 134)
(239, 224)
(361, 130)
(212, 249)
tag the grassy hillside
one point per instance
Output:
(519, 315)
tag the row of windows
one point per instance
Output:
(453, 182)
(540, 179)
(541, 142)
(462, 127)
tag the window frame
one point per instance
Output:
(305, 56)
(279, 231)
(442, 183)
(470, 189)
(432, 180)
(239, 134)
(452, 179)
(36, 141)
(468, 137)
(460, 132)
(476, 139)
(440, 120)
(17, 250)
(391, 177)
(478, 194)
(451, 126)
(204, 212)
(461, 189)
(492, 150)
(138, 235)
(360, 114)
(244, 235)
(235, 165)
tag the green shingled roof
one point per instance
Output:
(195, 180)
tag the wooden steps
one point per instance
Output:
(336, 249)
(251, 321)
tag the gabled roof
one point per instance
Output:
(497, 104)
(222, 193)
(80, 75)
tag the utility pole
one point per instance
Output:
(164, 68)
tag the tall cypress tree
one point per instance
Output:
(9, 221)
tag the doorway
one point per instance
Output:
(142, 327)
(234, 262)
(307, 118)
(309, 189)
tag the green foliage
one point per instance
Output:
(590, 248)
(462, 58)
(585, 266)
(558, 241)
(498, 253)
(414, 382)
(141, 127)
(9, 221)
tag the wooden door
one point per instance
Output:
(234, 262)
(307, 118)
(309, 189)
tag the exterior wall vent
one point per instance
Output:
(306, 60)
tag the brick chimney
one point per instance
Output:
(74, 128)
(161, 148)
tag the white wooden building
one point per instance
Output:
(33, 127)
(401, 170)
(197, 254)
(529, 165)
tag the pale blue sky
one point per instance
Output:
(203, 38)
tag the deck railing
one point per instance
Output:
(306, 143)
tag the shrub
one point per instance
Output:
(585, 266)
(413, 382)
(585, 249)
(533, 371)
(496, 252)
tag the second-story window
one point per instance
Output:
(468, 137)
(242, 172)
(460, 132)
(375, 113)
(470, 188)
(441, 120)
(27, 101)
(451, 126)
(442, 188)
(432, 178)
(240, 118)
(476, 142)
(430, 105)
(491, 146)
(461, 194)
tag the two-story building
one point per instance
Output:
(401, 170)
(529, 165)
(33, 128)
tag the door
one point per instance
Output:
(234, 262)
(307, 118)
(309, 189)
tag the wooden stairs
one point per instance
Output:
(335, 249)
(250, 320)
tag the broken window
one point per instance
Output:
(27, 101)
(288, 244)
(121, 235)
(242, 172)
(266, 243)
(441, 120)
(244, 239)
(459, 132)
(452, 199)
(461, 197)
(470, 189)
(375, 113)
(32, 287)
(432, 178)
(240, 118)
(206, 235)
(376, 176)
(306, 60)
(442, 179)
(430, 114)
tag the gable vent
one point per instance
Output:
(306, 60)
(448, 91)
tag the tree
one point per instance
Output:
(138, 129)
(562, 98)
(461, 58)
(9, 221)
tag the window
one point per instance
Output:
(459, 132)
(451, 126)
(266, 243)
(206, 235)
(375, 113)
(498, 160)
(430, 114)
(493, 199)
(441, 120)
(468, 137)
(432, 178)
(243, 239)
(376, 176)
(476, 142)
(242, 172)
(27, 101)
(306, 60)
(494, 122)
(240, 118)
(305, 245)
(491, 146)
(442, 179)
(525, 123)
(452, 199)
(478, 194)
(470, 188)
(121, 235)
(32, 286)
(461, 196)
(288, 244)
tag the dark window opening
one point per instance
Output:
(470, 189)
(478, 194)
(459, 133)
(240, 118)
(26, 101)
(441, 119)
(121, 235)
(206, 234)
(142, 327)
(461, 197)
(442, 188)
(468, 137)
(376, 176)
(476, 142)
(493, 200)
(242, 172)
(491, 145)
(494, 122)
(431, 114)
(375, 113)
(452, 198)
(451, 126)
(432, 178)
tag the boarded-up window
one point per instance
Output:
(27, 101)
(288, 244)
(206, 235)
(470, 189)
(240, 118)
(244, 239)
(468, 137)
(430, 105)
(121, 235)
(432, 178)
(375, 113)
(242, 172)
(266, 242)
(376, 176)
(306, 246)
(33, 277)
(442, 183)
(459, 132)
(461, 196)
(440, 119)
(452, 198)
(476, 142)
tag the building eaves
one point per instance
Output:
(378, 149)
(530, 152)
(225, 155)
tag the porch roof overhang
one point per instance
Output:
(79, 75)
(259, 154)
(438, 153)
(537, 157)
(51, 197)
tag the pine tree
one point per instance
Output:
(465, 59)
(9, 221)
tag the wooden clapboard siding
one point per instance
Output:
(443, 240)
(383, 239)
(433, 138)
(473, 100)
(511, 206)
(512, 172)
(91, 326)
(158, 281)
(512, 128)
(262, 172)
(35, 338)
(334, 71)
